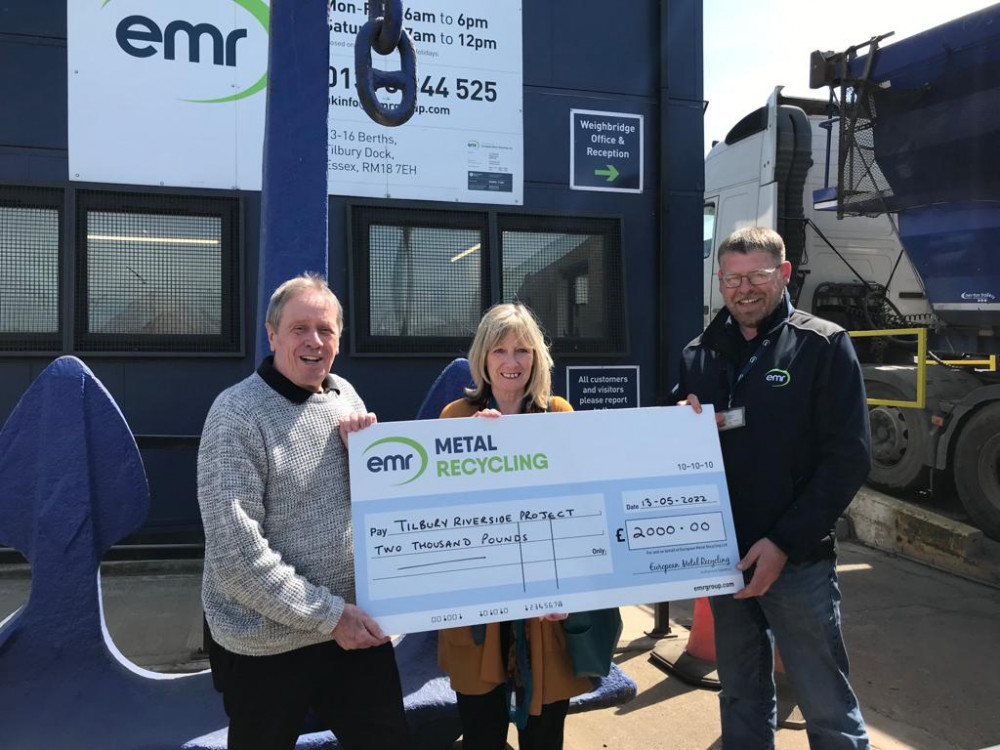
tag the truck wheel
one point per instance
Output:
(899, 442)
(977, 468)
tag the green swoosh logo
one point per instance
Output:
(262, 13)
(786, 377)
(412, 444)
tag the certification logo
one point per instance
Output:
(401, 457)
(196, 42)
(778, 378)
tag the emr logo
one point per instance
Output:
(143, 37)
(778, 378)
(133, 29)
(399, 460)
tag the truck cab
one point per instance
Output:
(764, 173)
(780, 167)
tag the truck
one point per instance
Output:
(887, 195)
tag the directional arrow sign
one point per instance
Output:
(605, 151)
(611, 173)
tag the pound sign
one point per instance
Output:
(619, 535)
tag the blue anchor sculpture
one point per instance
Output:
(72, 482)
(71, 485)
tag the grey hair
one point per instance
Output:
(304, 282)
(752, 239)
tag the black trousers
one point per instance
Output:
(356, 694)
(485, 720)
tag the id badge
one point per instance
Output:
(733, 418)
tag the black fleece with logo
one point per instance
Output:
(806, 446)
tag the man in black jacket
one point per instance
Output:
(790, 401)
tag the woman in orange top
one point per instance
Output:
(511, 670)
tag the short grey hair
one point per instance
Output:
(304, 282)
(753, 239)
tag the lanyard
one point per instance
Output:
(736, 378)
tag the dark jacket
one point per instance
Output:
(805, 449)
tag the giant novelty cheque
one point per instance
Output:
(465, 521)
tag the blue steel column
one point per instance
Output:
(681, 197)
(295, 197)
(682, 185)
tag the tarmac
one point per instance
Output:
(925, 653)
(921, 621)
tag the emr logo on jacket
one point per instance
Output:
(778, 378)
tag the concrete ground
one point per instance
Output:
(925, 656)
(924, 647)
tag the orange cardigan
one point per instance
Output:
(475, 670)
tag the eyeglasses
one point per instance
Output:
(756, 278)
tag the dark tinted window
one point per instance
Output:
(156, 273)
(420, 279)
(30, 252)
(569, 271)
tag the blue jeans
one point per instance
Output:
(801, 613)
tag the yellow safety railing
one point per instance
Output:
(989, 365)
(921, 334)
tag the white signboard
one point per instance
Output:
(465, 521)
(171, 92)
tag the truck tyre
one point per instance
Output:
(977, 468)
(899, 442)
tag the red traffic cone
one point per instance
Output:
(701, 640)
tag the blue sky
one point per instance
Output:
(751, 46)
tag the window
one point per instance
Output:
(423, 278)
(420, 279)
(569, 272)
(30, 228)
(708, 230)
(157, 273)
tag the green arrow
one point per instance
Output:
(611, 173)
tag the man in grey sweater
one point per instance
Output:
(279, 568)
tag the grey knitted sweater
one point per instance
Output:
(275, 502)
